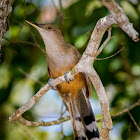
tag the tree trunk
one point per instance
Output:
(5, 9)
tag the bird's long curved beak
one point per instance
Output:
(35, 25)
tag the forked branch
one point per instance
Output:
(86, 65)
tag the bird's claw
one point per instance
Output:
(66, 77)
(49, 82)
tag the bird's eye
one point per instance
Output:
(49, 28)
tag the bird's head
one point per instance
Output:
(51, 35)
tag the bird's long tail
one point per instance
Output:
(82, 118)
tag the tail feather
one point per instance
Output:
(82, 117)
(78, 128)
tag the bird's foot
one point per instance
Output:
(66, 77)
(49, 82)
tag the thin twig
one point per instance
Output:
(28, 76)
(24, 42)
(8, 39)
(66, 108)
(55, 6)
(42, 123)
(62, 113)
(123, 111)
(65, 104)
(24, 9)
(19, 31)
(105, 42)
(23, 20)
(28, 43)
(36, 42)
(133, 120)
(110, 56)
(20, 41)
(63, 119)
(29, 135)
(60, 15)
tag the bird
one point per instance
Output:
(61, 58)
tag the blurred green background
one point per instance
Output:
(22, 58)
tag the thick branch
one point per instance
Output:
(62, 119)
(102, 98)
(102, 25)
(121, 18)
(85, 65)
(18, 113)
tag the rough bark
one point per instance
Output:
(5, 9)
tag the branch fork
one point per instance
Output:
(85, 65)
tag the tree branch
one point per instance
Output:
(123, 111)
(18, 113)
(62, 119)
(127, 109)
(42, 123)
(121, 18)
(133, 120)
(105, 42)
(27, 75)
(85, 65)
